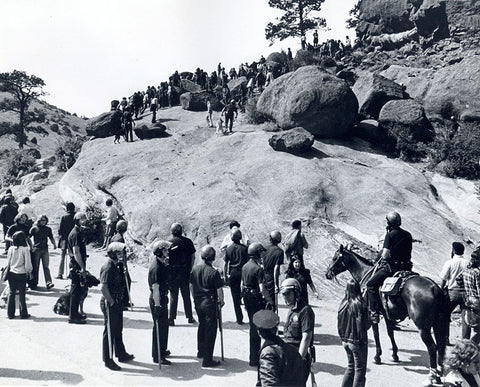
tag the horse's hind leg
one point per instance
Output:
(391, 335)
(434, 375)
(377, 359)
(440, 329)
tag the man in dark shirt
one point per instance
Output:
(252, 288)
(272, 260)
(396, 256)
(66, 225)
(78, 260)
(230, 111)
(158, 276)
(182, 257)
(7, 217)
(235, 257)
(111, 303)
(41, 233)
(206, 285)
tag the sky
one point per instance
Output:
(89, 52)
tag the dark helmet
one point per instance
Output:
(276, 236)
(255, 249)
(207, 253)
(176, 229)
(122, 226)
(237, 235)
(394, 218)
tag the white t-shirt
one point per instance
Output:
(227, 241)
(452, 269)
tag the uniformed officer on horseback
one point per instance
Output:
(396, 256)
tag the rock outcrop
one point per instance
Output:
(103, 125)
(311, 98)
(295, 141)
(157, 130)
(197, 101)
(369, 130)
(237, 87)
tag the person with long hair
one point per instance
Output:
(352, 325)
(463, 364)
(296, 269)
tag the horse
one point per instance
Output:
(421, 299)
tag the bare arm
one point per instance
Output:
(305, 343)
(106, 294)
(156, 294)
(78, 257)
(220, 296)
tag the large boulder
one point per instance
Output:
(278, 57)
(296, 141)
(406, 116)
(370, 131)
(373, 91)
(237, 87)
(415, 79)
(197, 101)
(103, 125)
(311, 98)
(431, 21)
(157, 130)
(188, 85)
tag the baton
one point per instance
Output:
(128, 289)
(109, 332)
(220, 328)
(158, 345)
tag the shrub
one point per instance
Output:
(54, 128)
(94, 232)
(400, 143)
(253, 115)
(67, 152)
(17, 163)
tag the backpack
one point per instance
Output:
(290, 242)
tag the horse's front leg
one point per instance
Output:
(377, 359)
(391, 335)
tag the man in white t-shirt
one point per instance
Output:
(455, 294)
(227, 241)
(111, 220)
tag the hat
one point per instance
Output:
(266, 319)
(458, 248)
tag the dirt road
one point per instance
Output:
(46, 350)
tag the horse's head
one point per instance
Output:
(338, 264)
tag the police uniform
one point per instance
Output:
(180, 266)
(112, 276)
(272, 258)
(124, 267)
(235, 257)
(205, 281)
(159, 274)
(252, 277)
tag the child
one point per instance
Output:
(41, 233)
(352, 324)
(220, 131)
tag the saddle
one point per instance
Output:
(389, 292)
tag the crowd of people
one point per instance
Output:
(251, 271)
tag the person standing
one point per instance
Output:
(455, 294)
(299, 327)
(207, 294)
(111, 220)
(272, 260)
(77, 250)
(295, 242)
(158, 277)
(153, 109)
(209, 113)
(280, 363)
(182, 257)
(66, 225)
(111, 304)
(128, 123)
(296, 269)
(227, 240)
(463, 365)
(236, 256)
(252, 290)
(40, 234)
(121, 229)
(27, 209)
(18, 257)
(353, 324)
(8, 212)
(230, 112)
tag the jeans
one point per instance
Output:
(357, 364)
(61, 266)
(206, 308)
(229, 122)
(456, 297)
(17, 282)
(373, 285)
(37, 256)
(235, 280)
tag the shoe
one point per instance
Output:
(25, 316)
(83, 316)
(199, 355)
(126, 357)
(11, 317)
(374, 317)
(240, 322)
(166, 353)
(171, 322)
(49, 285)
(191, 320)
(59, 277)
(76, 321)
(210, 363)
(112, 365)
(165, 361)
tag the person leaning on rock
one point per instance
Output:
(111, 303)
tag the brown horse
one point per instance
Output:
(421, 299)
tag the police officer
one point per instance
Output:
(396, 256)
(121, 229)
(298, 329)
(158, 276)
(236, 256)
(252, 288)
(182, 257)
(111, 303)
(280, 363)
(272, 260)
(207, 296)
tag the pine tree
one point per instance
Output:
(299, 17)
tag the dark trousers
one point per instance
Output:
(154, 115)
(76, 294)
(456, 297)
(372, 287)
(162, 327)
(206, 308)
(357, 365)
(253, 303)
(269, 288)
(17, 282)
(128, 130)
(116, 329)
(180, 280)
(235, 280)
(5, 230)
(229, 122)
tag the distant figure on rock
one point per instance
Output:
(123, 104)
(128, 124)
(289, 54)
(111, 219)
(66, 225)
(114, 105)
(315, 38)
(117, 129)
(209, 113)
(153, 109)
(231, 113)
